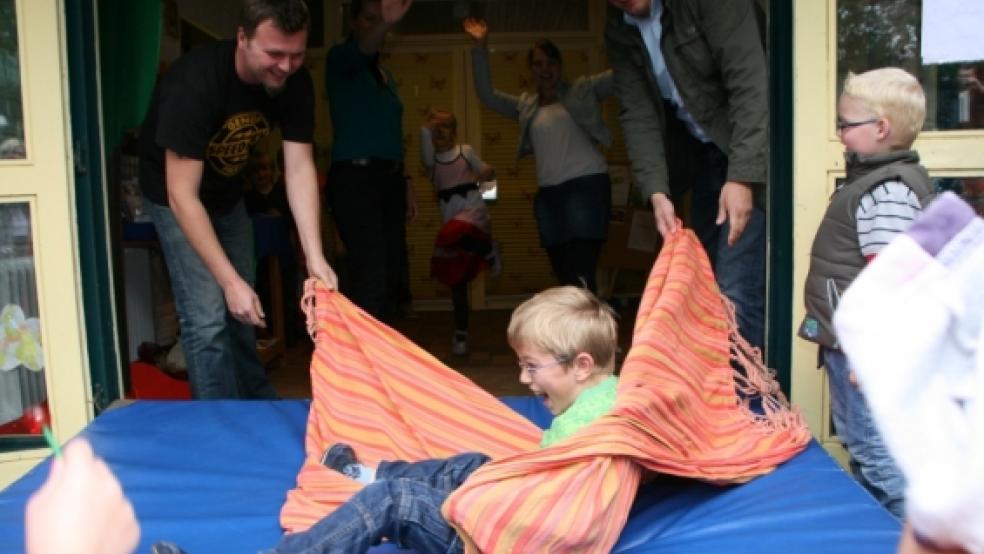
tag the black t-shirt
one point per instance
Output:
(202, 110)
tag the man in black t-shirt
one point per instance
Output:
(209, 109)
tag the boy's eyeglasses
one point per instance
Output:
(841, 125)
(533, 368)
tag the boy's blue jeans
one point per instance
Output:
(402, 505)
(871, 463)
(221, 351)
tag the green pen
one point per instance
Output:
(52, 443)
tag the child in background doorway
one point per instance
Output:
(464, 245)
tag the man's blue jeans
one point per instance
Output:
(402, 505)
(740, 268)
(220, 350)
(871, 463)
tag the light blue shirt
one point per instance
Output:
(651, 29)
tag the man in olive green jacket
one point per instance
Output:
(691, 79)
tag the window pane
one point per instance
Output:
(879, 33)
(970, 189)
(23, 397)
(11, 109)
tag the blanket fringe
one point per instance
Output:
(308, 308)
(757, 381)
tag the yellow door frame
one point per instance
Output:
(45, 181)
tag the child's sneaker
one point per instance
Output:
(495, 260)
(341, 458)
(459, 343)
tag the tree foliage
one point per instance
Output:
(878, 33)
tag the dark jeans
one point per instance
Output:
(740, 268)
(369, 206)
(402, 505)
(576, 209)
(221, 351)
(572, 219)
(576, 262)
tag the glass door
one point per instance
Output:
(836, 36)
(42, 369)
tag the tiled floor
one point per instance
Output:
(490, 362)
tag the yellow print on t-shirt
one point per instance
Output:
(228, 151)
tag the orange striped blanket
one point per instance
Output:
(677, 412)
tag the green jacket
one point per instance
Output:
(713, 51)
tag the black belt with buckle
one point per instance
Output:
(461, 190)
(375, 164)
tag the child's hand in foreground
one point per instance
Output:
(80, 508)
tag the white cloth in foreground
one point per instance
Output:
(911, 325)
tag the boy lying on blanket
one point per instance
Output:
(565, 340)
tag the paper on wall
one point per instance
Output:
(951, 31)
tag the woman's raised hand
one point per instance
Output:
(393, 11)
(478, 30)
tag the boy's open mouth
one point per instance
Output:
(544, 397)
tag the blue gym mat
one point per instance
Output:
(212, 476)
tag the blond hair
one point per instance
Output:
(564, 322)
(895, 95)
